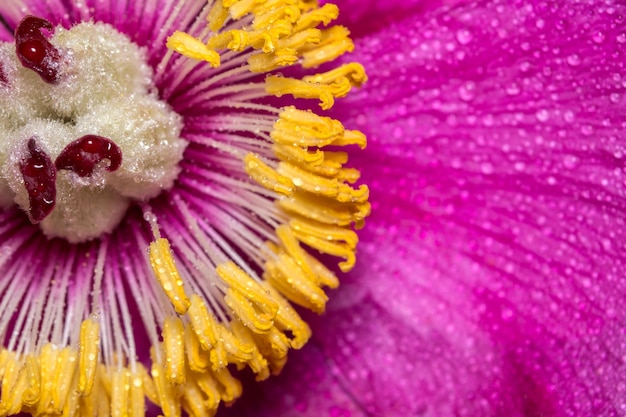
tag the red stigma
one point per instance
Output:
(33, 49)
(82, 155)
(39, 176)
(3, 76)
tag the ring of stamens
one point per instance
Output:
(215, 307)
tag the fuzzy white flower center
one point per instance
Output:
(102, 101)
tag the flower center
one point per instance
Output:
(85, 134)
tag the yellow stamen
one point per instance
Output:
(217, 16)
(137, 393)
(167, 274)
(257, 363)
(247, 313)
(352, 71)
(324, 14)
(168, 398)
(280, 86)
(120, 393)
(325, 187)
(202, 322)
(334, 42)
(266, 176)
(197, 358)
(286, 276)
(230, 347)
(33, 392)
(173, 343)
(88, 355)
(64, 374)
(193, 48)
(288, 319)
(244, 284)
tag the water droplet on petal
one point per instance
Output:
(542, 115)
(573, 60)
(464, 36)
(467, 91)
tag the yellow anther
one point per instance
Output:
(256, 320)
(236, 40)
(148, 385)
(209, 387)
(293, 249)
(167, 274)
(262, 62)
(240, 8)
(305, 128)
(301, 39)
(230, 387)
(351, 137)
(47, 366)
(137, 392)
(197, 358)
(325, 210)
(120, 393)
(258, 364)
(264, 6)
(326, 276)
(217, 16)
(14, 384)
(288, 319)
(33, 392)
(168, 397)
(72, 404)
(266, 176)
(331, 248)
(331, 169)
(88, 353)
(290, 13)
(287, 277)
(274, 346)
(229, 349)
(298, 155)
(202, 322)
(242, 283)
(353, 71)
(326, 232)
(64, 374)
(334, 43)
(324, 15)
(279, 86)
(104, 378)
(193, 401)
(174, 346)
(326, 187)
(193, 48)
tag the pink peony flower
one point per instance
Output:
(491, 276)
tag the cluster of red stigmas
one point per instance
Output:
(80, 156)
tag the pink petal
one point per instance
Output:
(490, 279)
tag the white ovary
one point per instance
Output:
(104, 88)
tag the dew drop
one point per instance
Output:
(467, 91)
(573, 60)
(598, 37)
(513, 89)
(464, 36)
(542, 115)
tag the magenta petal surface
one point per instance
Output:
(491, 275)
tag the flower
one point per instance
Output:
(490, 279)
(163, 196)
